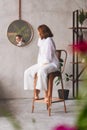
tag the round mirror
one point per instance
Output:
(20, 33)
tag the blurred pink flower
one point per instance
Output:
(80, 47)
(64, 127)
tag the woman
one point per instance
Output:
(19, 40)
(47, 62)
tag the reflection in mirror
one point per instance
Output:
(20, 33)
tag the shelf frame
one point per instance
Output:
(75, 59)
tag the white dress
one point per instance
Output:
(47, 62)
(20, 43)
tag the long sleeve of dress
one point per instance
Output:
(47, 51)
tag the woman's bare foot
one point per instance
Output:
(36, 97)
(46, 99)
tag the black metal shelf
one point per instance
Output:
(77, 36)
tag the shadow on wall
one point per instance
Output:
(3, 93)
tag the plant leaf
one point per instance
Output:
(66, 74)
(67, 79)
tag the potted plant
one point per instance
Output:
(67, 77)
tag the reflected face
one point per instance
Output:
(18, 39)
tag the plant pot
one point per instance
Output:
(66, 93)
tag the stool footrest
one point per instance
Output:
(54, 99)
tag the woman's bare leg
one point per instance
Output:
(46, 96)
(37, 94)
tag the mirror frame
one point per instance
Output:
(16, 28)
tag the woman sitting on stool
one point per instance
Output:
(47, 62)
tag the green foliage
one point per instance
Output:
(11, 119)
(82, 16)
(61, 63)
(82, 119)
(57, 80)
(33, 120)
(67, 78)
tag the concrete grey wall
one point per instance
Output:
(57, 14)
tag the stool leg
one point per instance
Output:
(33, 106)
(50, 87)
(63, 93)
(35, 80)
(49, 105)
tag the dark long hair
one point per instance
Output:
(44, 31)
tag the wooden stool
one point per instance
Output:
(51, 77)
